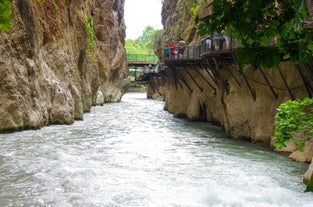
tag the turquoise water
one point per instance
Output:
(134, 153)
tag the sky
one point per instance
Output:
(141, 13)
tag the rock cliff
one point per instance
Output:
(245, 105)
(59, 59)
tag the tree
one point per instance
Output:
(144, 43)
(255, 24)
(147, 38)
(5, 14)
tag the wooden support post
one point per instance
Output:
(180, 77)
(232, 74)
(268, 83)
(308, 67)
(215, 69)
(252, 91)
(285, 82)
(175, 78)
(211, 76)
(206, 80)
(215, 63)
(172, 75)
(308, 86)
(201, 89)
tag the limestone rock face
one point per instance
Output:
(47, 74)
(244, 105)
(306, 155)
(308, 176)
(243, 112)
(156, 88)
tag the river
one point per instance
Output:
(135, 154)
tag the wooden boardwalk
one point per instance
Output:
(197, 58)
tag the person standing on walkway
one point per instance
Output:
(167, 52)
(226, 37)
(173, 50)
(208, 44)
(181, 47)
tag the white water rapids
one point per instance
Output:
(135, 154)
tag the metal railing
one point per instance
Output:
(210, 44)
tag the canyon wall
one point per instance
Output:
(156, 88)
(59, 59)
(243, 104)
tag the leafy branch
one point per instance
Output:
(294, 117)
(257, 24)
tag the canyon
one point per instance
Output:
(63, 57)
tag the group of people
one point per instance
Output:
(174, 52)
(216, 41)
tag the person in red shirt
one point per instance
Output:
(173, 49)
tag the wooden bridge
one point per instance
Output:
(146, 67)
(141, 60)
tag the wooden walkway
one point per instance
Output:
(196, 58)
(206, 60)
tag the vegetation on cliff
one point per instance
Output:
(183, 22)
(294, 121)
(5, 14)
(257, 24)
(90, 33)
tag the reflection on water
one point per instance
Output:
(135, 154)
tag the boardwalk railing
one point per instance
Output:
(210, 44)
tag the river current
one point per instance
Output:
(135, 154)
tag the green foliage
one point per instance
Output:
(136, 85)
(132, 73)
(90, 33)
(293, 117)
(55, 5)
(194, 7)
(255, 24)
(5, 15)
(257, 56)
(142, 57)
(194, 11)
(309, 187)
(143, 45)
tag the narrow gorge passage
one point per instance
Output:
(133, 153)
